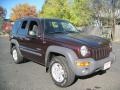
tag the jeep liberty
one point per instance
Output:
(60, 47)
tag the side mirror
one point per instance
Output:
(32, 33)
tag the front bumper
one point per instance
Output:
(94, 65)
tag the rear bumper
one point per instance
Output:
(94, 65)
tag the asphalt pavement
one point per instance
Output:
(32, 76)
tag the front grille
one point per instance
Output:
(100, 53)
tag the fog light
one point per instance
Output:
(82, 63)
(84, 70)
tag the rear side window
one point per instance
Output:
(23, 30)
(16, 27)
(24, 24)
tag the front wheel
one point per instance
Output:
(61, 74)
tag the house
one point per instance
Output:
(7, 25)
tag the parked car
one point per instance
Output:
(60, 47)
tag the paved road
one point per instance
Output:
(31, 76)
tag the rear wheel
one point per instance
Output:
(61, 74)
(17, 56)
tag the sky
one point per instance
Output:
(9, 4)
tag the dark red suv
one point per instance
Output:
(60, 47)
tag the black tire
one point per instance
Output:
(69, 76)
(19, 55)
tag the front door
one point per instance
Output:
(34, 43)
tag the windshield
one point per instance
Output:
(59, 26)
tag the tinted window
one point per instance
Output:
(24, 24)
(32, 25)
(59, 26)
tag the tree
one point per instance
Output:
(22, 10)
(2, 16)
(2, 12)
(54, 8)
(75, 11)
(81, 14)
(109, 9)
(96, 7)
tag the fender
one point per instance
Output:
(13, 41)
(69, 54)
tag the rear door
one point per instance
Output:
(21, 35)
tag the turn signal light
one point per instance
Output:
(82, 63)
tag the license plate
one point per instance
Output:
(107, 65)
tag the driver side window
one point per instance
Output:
(33, 26)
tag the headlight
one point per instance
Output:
(84, 51)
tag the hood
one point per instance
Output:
(81, 39)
